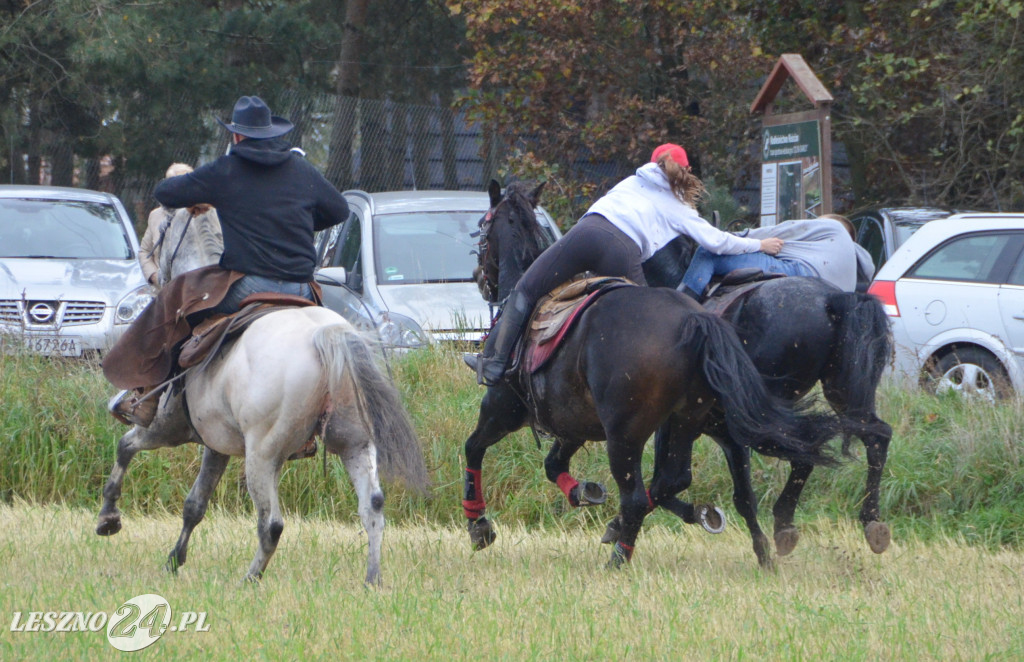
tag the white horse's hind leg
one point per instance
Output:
(352, 443)
(262, 475)
(196, 502)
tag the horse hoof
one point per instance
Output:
(612, 532)
(711, 518)
(786, 540)
(481, 534)
(109, 525)
(878, 536)
(588, 493)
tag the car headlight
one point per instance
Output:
(132, 305)
(400, 331)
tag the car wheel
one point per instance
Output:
(972, 373)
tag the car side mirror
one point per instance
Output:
(332, 276)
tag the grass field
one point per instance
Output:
(949, 588)
(535, 595)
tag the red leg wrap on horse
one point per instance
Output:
(625, 550)
(650, 502)
(473, 497)
(565, 483)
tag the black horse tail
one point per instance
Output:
(753, 416)
(864, 346)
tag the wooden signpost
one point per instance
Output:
(796, 148)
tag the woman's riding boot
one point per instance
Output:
(490, 369)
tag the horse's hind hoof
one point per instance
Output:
(612, 532)
(108, 525)
(878, 536)
(711, 518)
(480, 533)
(786, 540)
(589, 493)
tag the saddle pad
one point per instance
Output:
(556, 313)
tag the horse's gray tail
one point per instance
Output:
(753, 416)
(349, 358)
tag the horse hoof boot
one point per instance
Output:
(589, 493)
(612, 532)
(711, 518)
(481, 534)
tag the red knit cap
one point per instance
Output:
(677, 153)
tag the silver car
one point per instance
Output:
(403, 265)
(70, 281)
(954, 292)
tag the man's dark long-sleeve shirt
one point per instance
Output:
(270, 201)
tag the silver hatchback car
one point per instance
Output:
(70, 281)
(954, 292)
(403, 264)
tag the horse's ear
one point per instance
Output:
(535, 194)
(494, 190)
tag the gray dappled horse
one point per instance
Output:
(294, 373)
(188, 242)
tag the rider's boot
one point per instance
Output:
(133, 407)
(490, 369)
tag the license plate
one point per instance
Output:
(57, 345)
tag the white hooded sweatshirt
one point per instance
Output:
(644, 207)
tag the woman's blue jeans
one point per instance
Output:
(705, 265)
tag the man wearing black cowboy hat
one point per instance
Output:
(270, 201)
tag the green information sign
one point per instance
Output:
(790, 172)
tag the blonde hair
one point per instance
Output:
(684, 184)
(845, 223)
(176, 169)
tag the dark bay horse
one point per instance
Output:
(801, 332)
(638, 359)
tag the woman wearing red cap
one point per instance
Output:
(634, 219)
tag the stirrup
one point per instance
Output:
(135, 409)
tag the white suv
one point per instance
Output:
(70, 281)
(955, 295)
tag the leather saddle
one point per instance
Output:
(555, 314)
(212, 332)
(733, 285)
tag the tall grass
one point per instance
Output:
(954, 468)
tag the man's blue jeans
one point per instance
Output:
(250, 284)
(706, 265)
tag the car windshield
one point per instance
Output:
(425, 247)
(61, 229)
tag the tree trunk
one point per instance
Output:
(343, 132)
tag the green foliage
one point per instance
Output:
(954, 469)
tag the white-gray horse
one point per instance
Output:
(188, 242)
(292, 374)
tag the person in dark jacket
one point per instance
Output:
(270, 201)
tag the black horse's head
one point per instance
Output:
(511, 238)
(666, 267)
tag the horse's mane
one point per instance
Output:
(527, 236)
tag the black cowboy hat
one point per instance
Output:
(251, 118)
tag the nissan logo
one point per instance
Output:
(42, 313)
